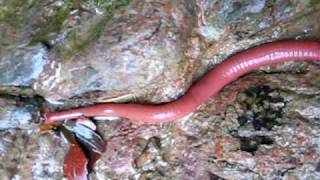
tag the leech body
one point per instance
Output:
(224, 73)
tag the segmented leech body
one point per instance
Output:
(226, 72)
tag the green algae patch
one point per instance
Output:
(79, 38)
(52, 23)
(13, 12)
(13, 19)
(110, 6)
(314, 2)
(48, 22)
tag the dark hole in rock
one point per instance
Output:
(246, 118)
(214, 177)
(46, 44)
(252, 144)
(264, 106)
(282, 172)
(318, 167)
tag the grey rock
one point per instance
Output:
(27, 154)
(15, 114)
(22, 66)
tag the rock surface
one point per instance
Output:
(71, 53)
(27, 154)
(259, 127)
(18, 113)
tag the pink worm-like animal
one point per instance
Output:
(210, 84)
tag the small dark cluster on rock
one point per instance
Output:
(251, 144)
(263, 107)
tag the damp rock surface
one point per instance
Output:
(140, 45)
(18, 114)
(62, 54)
(27, 154)
(21, 66)
(141, 51)
(255, 129)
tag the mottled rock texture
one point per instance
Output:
(61, 54)
(27, 154)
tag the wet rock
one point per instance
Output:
(216, 16)
(13, 19)
(15, 113)
(22, 66)
(138, 48)
(276, 151)
(214, 141)
(28, 29)
(235, 24)
(263, 126)
(25, 154)
(23, 22)
(305, 172)
(264, 105)
(128, 144)
(150, 51)
(23, 55)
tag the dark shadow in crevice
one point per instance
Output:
(252, 144)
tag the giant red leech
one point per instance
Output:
(226, 72)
